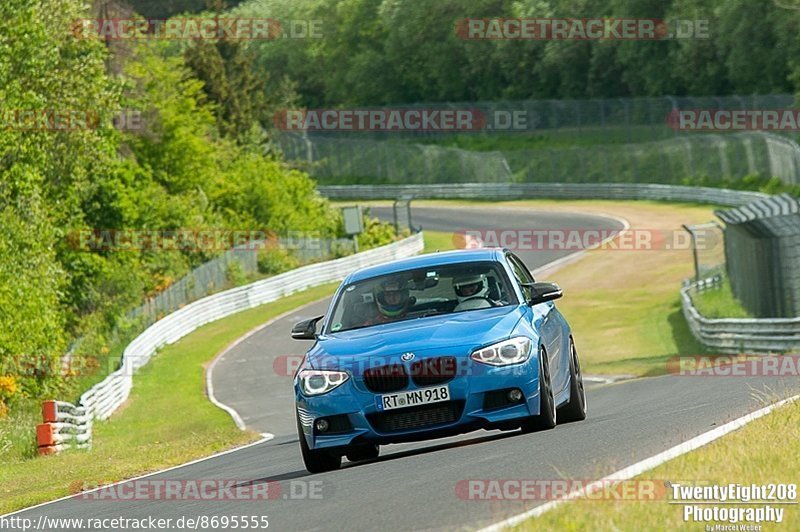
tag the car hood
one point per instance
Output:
(433, 335)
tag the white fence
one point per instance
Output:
(103, 399)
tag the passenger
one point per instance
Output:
(472, 292)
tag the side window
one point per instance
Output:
(525, 270)
(521, 273)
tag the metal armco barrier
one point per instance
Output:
(65, 425)
(724, 335)
(506, 191)
(100, 401)
(740, 335)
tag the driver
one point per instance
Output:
(392, 299)
(472, 291)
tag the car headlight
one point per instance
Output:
(511, 351)
(318, 381)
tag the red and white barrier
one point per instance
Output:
(65, 425)
(68, 425)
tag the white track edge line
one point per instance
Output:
(578, 254)
(643, 465)
(210, 370)
(235, 415)
(265, 438)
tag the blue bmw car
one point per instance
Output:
(432, 346)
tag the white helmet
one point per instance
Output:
(471, 286)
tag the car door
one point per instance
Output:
(544, 318)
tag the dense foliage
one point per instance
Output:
(395, 51)
(199, 158)
(187, 164)
(166, 9)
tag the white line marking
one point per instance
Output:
(608, 379)
(238, 418)
(210, 370)
(572, 257)
(640, 467)
(265, 438)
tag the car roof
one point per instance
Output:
(425, 261)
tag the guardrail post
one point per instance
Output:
(694, 253)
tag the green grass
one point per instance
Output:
(438, 241)
(555, 138)
(623, 306)
(168, 419)
(720, 303)
(747, 456)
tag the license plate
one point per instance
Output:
(422, 396)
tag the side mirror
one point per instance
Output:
(306, 330)
(543, 292)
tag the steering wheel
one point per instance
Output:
(476, 298)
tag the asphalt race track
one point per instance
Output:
(413, 486)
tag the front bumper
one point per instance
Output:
(355, 418)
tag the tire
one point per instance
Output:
(317, 460)
(546, 419)
(359, 453)
(575, 409)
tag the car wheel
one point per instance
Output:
(359, 453)
(575, 409)
(547, 403)
(317, 460)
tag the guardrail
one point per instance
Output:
(506, 191)
(740, 335)
(100, 401)
(65, 425)
(725, 335)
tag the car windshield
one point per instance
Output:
(420, 293)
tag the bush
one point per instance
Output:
(275, 260)
(376, 233)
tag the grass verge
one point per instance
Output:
(748, 456)
(623, 305)
(167, 421)
(720, 303)
(647, 314)
(438, 241)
